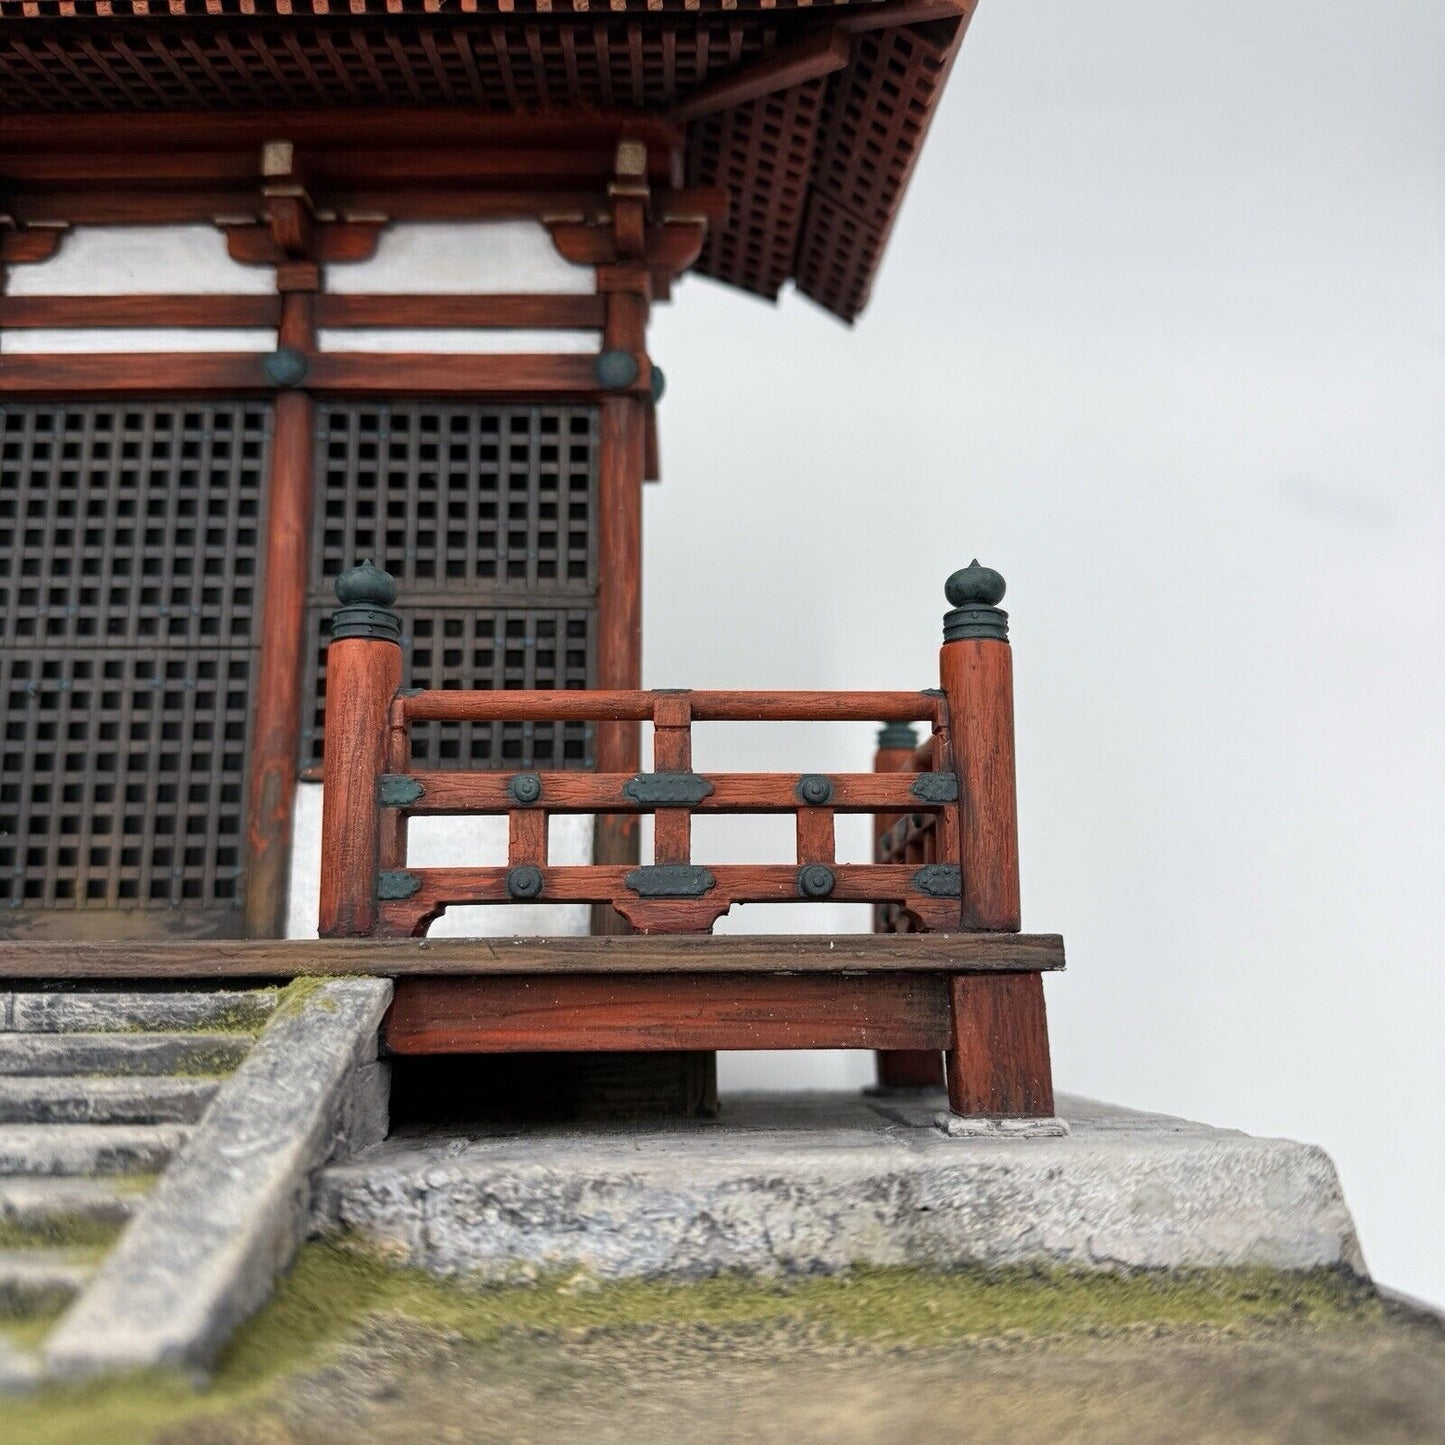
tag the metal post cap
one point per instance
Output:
(975, 592)
(897, 735)
(366, 594)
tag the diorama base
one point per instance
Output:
(807, 1183)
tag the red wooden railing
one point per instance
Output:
(955, 869)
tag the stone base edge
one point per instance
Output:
(958, 1126)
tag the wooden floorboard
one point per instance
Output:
(830, 953)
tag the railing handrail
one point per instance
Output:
(638, 705)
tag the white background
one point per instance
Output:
(1160, 336)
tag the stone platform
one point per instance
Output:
(818, 1182)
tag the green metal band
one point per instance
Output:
(897, 735)
(670, 880)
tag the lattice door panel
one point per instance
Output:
(130, 525)
(486, 517)
(129, 542)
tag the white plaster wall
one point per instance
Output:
(457, 342)
(479, 257)
(1161, 335)
(139, 260)
(447, 843)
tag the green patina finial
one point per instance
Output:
(366, 594)
(975, 592)
(897, 735)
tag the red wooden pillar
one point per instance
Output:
(363, 673)
(280, 655)
(998, 1066)
(901, 1068)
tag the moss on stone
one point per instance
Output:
(333, 1291)
(298, 993)
(59, 1231)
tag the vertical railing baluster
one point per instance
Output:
(672, 753)
(900, 1068)
(363, 673)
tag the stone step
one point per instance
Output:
(31, 1149)
(161, 1010)
(30, 1204)
(126, 1054)
(19, 1369)
(39, 1281)
(99, 1099)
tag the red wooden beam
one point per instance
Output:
(713, 1011)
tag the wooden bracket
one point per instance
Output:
(253, 243)
(24, 245)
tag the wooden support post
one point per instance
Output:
(999, 1063)
(901, 1068)
(363, 673)
(623, 464)
(280, 656)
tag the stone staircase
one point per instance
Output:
(97, 1091)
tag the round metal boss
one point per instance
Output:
(815, 788)
(525, 788)
(815, 881)
(285, 367)
(525, 882)
(617, 368)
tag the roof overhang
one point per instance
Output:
(810, 117)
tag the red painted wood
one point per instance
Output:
(362, 678)
(276, 725)
(712, 1011)
(977, 676)
(998, 1059)
(575, 792)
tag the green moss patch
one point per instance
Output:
(72, 1231)
(333, 1292)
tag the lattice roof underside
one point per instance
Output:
(815, 171)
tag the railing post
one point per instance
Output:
(999, 1065)
(975, 668)
(363, 673)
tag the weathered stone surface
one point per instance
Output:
(19, 1369)
(89, 1099)
(39, 1280)
(204, 1249)
(38, 1149)
(30, 1202)
(73, 1012)
(118, 1053)
(821, 1182)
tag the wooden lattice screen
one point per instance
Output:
(129, 540)
(485, 515)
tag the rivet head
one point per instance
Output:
(525, 788)
(815, 881)
(814, 788)
(366, 583)
(525, 881)
(285, 367)
(617, 369)
(975, 584)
